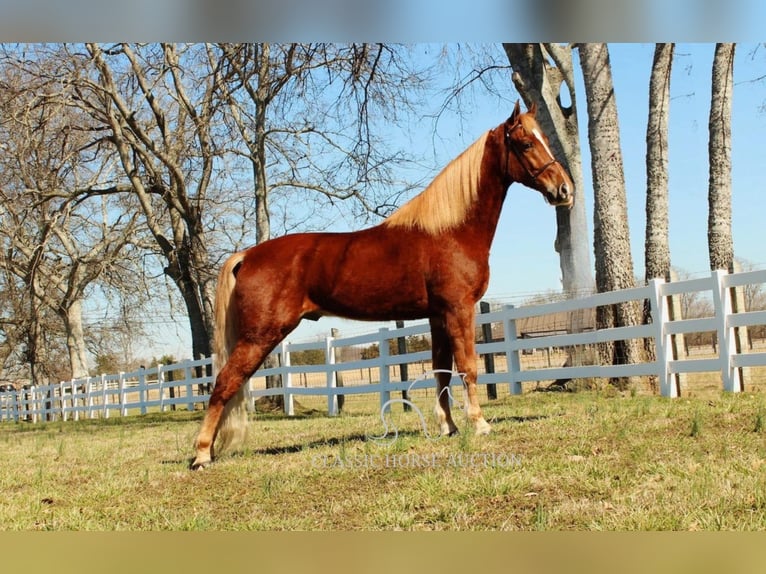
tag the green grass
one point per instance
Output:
(555, 461)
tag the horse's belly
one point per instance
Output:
(374, 300)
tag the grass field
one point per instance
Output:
(593, 460)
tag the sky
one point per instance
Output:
(523, 262)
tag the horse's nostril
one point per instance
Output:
(564, 191)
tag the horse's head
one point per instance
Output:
(530, 161)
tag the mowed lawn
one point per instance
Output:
(592, 460)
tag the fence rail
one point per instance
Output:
(162, 388)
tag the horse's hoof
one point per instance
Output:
(448, 430)
(199, 465)
(483, 427)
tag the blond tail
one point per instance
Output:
(233, 426)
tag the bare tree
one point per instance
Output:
(614, 264)
(159, 121)
(58, 241)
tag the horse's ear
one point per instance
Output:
(515, 115)
(532, 109)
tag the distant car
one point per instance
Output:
(7, 388)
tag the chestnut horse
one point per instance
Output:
(429, 259)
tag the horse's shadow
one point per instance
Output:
(518, 419)
(358, 438)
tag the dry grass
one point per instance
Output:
(594, 460)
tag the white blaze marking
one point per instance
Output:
(539, 138)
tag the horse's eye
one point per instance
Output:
(526, 146)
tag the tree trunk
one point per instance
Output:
(720, 243)
(75, 339)
(537, 80)
(656, 246)
(657, 250)
(181, 270)
(720, 240)
(614, 264)
(34, 345)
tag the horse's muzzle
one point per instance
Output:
(562, 196)
(565, 195)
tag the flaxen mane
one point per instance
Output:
(444, 204)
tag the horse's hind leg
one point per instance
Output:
(441, 354)
(244, 360)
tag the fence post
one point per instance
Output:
(15, 407)
(404, 376)
(104, 396)
(64, 412)
(75, 409)
(142, 394)
(722, 300)
(32, 413)
(121, 387)
(383, 355)
(511, 352)
(338, 374)
(332, 398)
(288, 380)
(189, 386)
(161, 385)
(740, 334)
(662, 343)
(489, 358)
(89, 397)
(39, 402)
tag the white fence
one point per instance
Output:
(154, 390)
(103, 396)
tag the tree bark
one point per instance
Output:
(720, 242)
(614, 263)
(656, 248)
(75, 340)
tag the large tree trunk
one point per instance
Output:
(183, 261)
(720, 243)
(614, 264)
(537, 80)
(720, 240)
(656, 249)
(34, 350)
(75, 339)
(656, 246)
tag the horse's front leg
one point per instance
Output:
(460, 324)
(441, 355)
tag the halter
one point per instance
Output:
(533, 175)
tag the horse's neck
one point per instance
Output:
(485, 214)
